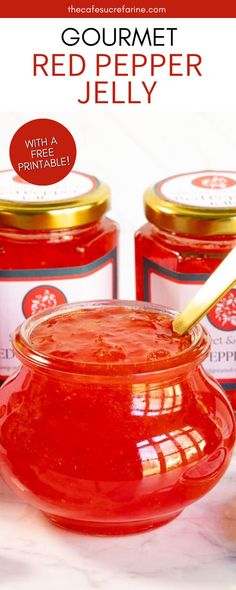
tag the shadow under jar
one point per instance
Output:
(111, 425)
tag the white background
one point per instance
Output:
(132, 150)
(214, 39)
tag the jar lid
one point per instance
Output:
(198, 203)
(76, 200)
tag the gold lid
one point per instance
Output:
(198, 203)
(77, 200)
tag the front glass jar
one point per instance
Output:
(56, 246)
(191, 228)
(111, 425)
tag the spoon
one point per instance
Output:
(219, 282)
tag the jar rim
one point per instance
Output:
(192, 355)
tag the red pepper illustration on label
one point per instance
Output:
(41, 298)
(213, 181)
(223, 314)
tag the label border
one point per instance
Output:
(176, 277)
(68, 272)
(63, 273)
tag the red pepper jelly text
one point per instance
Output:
(56, 246)
(111, 425)
(191, 227)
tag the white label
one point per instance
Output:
(13, 188)
(220, 322)
(22, 298)
(208, 189)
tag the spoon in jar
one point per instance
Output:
(218, 283)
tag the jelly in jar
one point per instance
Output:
(111, 425)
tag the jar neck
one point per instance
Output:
(51, 234)
(210, 243)
(134, 382)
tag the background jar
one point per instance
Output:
(107, 446)
(56, 245)
(191, 227)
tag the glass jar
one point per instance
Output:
(191, 228)
(56, 246)
(101, 428)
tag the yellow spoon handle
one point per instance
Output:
(219, 282)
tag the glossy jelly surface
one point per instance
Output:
(109, 335)
(113, 452)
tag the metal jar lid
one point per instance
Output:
(76, 200)
(198, 203)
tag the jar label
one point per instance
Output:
(207, 189)
(173, 289)
(26, 292)
(15, 189)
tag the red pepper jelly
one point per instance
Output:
(191, 228)
(56, 246)
(111, 425)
